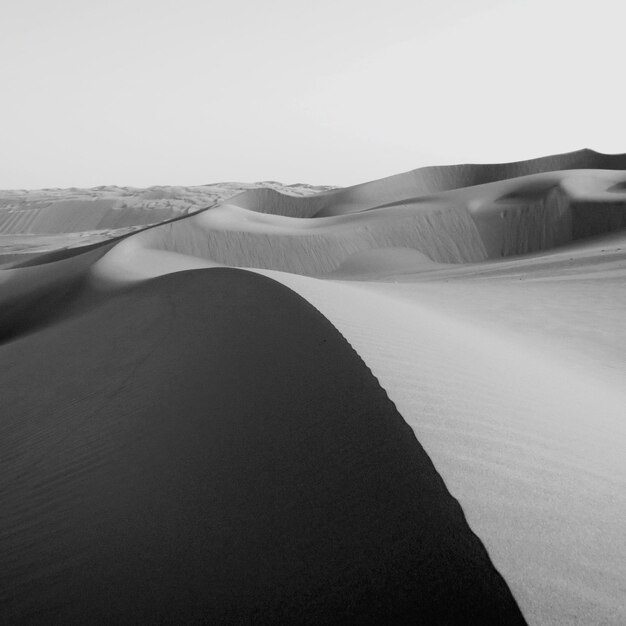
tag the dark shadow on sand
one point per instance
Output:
(206, 447)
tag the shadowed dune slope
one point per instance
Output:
(506, 209)
(451, 214)
(515, 384)
(524, 221)
(32, 296)
(420, 182)
(206, 446)
(495, 220)
(277, 203)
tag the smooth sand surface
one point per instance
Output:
(532, 445)
(422, 182)
(206, 446)
(510, 217)
(237, 237)
(488, 302)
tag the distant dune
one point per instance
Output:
(32, 222)
(485, 221)
(410, 407)
(423, 182)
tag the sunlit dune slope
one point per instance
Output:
(517, 391)
(486, 221)
(516, 213)
(487, 301)
(234, 236)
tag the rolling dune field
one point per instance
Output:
(401, 402)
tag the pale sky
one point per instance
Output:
(184, 92)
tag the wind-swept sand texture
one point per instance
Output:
(207, 446)
(488, 301)
(234, 236)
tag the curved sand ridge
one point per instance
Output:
(421, 182)
(237, 463)
(506, 217)
(510, 371)
(38, 221)
(49, 211)
(234, 236)
(523, 357)
(488, 221)
(516, 390)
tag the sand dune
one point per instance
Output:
(490, 221)
(487, 300)
(238, 463)
(32, 295)
(238, 237)
(76, 217)
(531, 444)
(421, 182)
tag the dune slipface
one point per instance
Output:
(204, 446)
(498, 211)
(207, 447)
(419, 183)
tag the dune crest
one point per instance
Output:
(188, 423)
(245, 468)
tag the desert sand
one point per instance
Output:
(219, 452)
(418, 412)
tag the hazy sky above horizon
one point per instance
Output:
(148, 92)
